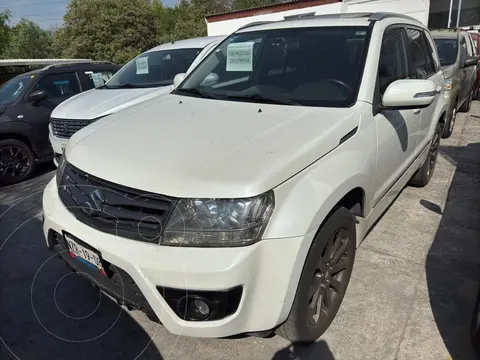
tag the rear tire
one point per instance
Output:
(466, 105)
(449, 125)
(323, 281)
(17, 161)
(423, 175)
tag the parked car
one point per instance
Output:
(476, 44)
(236, 203)
(26, 103)
(149, 75)
(459, 61)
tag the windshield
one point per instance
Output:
(14, 88)
(155, 68)
(447, 51)
(318, 66)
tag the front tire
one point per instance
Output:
(323, 281)
(17, 161)
(423, 175)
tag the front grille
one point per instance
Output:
(65, 128)
(113, 208)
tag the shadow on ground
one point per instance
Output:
(453, 261)
(48, 312)
(316, 351)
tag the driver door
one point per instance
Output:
(59, 87)
(397, 130)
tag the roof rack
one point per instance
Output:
(377, 16)
(384, 15)
(75, 62)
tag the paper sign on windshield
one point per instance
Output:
(142, 65)
(97, 79)
(240, 56)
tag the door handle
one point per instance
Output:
(417, 111)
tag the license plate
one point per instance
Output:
(84, 255)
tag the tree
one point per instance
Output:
(4, 30)
(115, 30)
(246, 4)
(29, 41)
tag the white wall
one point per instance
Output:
(415, 8)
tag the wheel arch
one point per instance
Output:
(19, 137)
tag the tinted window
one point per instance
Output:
(15, 88)
(318, 66)
(421, 61)
(447, 51)
(92, 79)
(393, 59)
(59, 85)
(155, 68)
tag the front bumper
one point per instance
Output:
(58, 144)
(267, 271)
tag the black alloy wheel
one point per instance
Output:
(16, 161)
(433, 153)
(324, 279)
(424, 174)
(329, 277)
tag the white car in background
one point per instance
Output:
(149, 75)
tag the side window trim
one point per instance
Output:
(429, 49)
(433, 50)
(377, 96)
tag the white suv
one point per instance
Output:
(147, 76)
(236, 203)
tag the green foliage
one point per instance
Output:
(114, 30)
(245, 4)
(28, 40)
(4, 30)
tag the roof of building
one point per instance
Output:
(24, 62)
(282, 5)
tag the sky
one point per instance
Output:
(46, 13)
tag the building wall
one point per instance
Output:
(416, 8)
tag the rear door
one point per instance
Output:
(59, 87)
(424, 64)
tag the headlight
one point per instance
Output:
(61, 167)
(448, 84)
(219, 222)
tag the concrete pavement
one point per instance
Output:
(411, 295)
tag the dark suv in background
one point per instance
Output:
(26, 103)
(459, 59)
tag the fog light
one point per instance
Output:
(194, 308)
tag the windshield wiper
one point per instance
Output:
(264, 99)
(197, 92)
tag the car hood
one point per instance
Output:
(191, 147)
(449, 70)
(95, 103)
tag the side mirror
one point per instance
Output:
(177, 80)
(471, 61)
(410, 94)
(37, 96)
